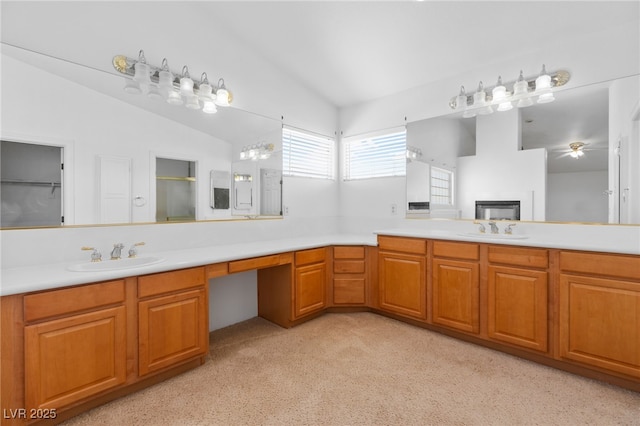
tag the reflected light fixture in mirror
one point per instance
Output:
(482, 102)
(160, 83)
(413, 153)
(260, 151)
(576, 149)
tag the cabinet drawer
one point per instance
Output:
(306, 257)
(348, 252)
(70, 300)
(348, 266)
(258, 263)
(468, 251)
(620, 266)
(166, 282)
(401, 244)
(534, 258)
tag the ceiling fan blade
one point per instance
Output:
(566, 154)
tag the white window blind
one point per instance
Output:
(441, 186)
(376, 156)
(307, 155)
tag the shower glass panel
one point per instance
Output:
(31, 178)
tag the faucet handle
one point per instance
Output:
(482, 229)
(508, 229)
(494, 227)
(133, 251)
(96, 256)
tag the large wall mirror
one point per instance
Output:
(529, 155)
(115, 147)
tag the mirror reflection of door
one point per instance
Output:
(175, 190)
(270, 192)
(31, 190)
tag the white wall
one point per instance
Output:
(624, 129)
(500, 171)
(589, 57)
(41, 107)
(577, 197)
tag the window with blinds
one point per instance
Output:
(441, 187)
(307, 155)
(376, 156)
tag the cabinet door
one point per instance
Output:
(402, 284)
(456, 301)
(172, 329)
(72, 358)
(310, 289)
(600, 322)
(349, 291)
(517, 307)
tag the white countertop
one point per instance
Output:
(552, 240)
(56, 275)
(49, 276)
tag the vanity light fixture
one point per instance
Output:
(522, 95)
(413, 153)
(161, 83)
(260, 151)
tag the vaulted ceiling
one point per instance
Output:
(345, 52)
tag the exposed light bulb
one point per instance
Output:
(500, 96)
(186, 84)
(461, 100)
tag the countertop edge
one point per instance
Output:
(51, 276)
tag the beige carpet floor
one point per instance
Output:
(365, 369)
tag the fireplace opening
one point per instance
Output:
(498, 210)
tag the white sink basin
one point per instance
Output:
(495, 236)
(115, 265)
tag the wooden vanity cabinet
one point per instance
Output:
(456, 285)
(349, 276)
(402, 264)
(310, 282)
(75, 344)
(173, 323)
(517, 296)
(600, 311)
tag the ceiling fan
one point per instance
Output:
(576, 150)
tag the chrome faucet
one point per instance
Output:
(508, 229)
(96, 256)
(494, 228)
(481, 229)
(116, 252)
(133, 251)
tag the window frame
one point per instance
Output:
(347, 173)
(451, 187)
(302, 170)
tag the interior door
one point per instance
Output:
(271, 192)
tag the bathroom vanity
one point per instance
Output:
(76, 344)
